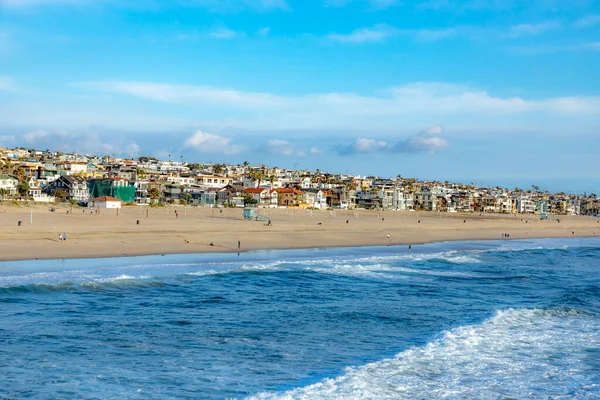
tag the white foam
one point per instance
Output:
(525, 353)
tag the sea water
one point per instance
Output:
(466, 320)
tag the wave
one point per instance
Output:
(395, 263)
(517, 353)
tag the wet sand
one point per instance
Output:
(194, 230)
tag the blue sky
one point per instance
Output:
(486, 91)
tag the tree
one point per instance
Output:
(140, 173)
(154, 193)
(257, 176)
(23, 188)
(248, 199)
(246, 163)
(3, 193)
(60, 195)
(185, 198)
(218, 168)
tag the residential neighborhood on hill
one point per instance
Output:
(50, 176)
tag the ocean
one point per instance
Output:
(515, 319)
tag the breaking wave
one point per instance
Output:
(518, 353)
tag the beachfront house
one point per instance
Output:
(75, 187)
(8, 185)
(261, 195)
(288, 197)
(106, 202)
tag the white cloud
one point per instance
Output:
(391, 108)
(433, 131)
(382, 32)
(211, 5)
(377, 33)
(224, 33)
(263, 31)
(517, 31)
(283, 147)
(588, 21)
(374, 4)
(205, 142)
(132, 149)
(7, 84)
(427, 140)
(363, 145)
(421, 144)
(315, 151)
(550, 49)
(279, 146)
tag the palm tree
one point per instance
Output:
(272, 178)
(257, 175)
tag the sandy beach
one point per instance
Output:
(194, 229)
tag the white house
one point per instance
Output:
(9, 184)
(213, 181)
(106, 202)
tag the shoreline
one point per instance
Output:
(130, 233)
(250, 250)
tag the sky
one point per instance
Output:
(494, 92)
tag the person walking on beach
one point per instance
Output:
(409, 248)
(60, 237)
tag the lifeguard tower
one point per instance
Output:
(251, 213)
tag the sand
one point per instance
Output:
(160, 232)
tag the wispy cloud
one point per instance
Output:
(7, 84)
(364, 146)
(550, 49)
(330, 110)
(587, 21)
(205, 142)
(287, 148)
(461, 6)
(378, 33)
(263, 31)
(91, 140)
(520, 30)
(373, 4)
(224, 33)
(381, 32)
(219, 6)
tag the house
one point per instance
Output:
(9, 184)
(231, 194)
(261, 195)
(106, 202)
(288, 197)
(75, 187)
(315, 199)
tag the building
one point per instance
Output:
(9, 184)
(106, 202)
(75, 187)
